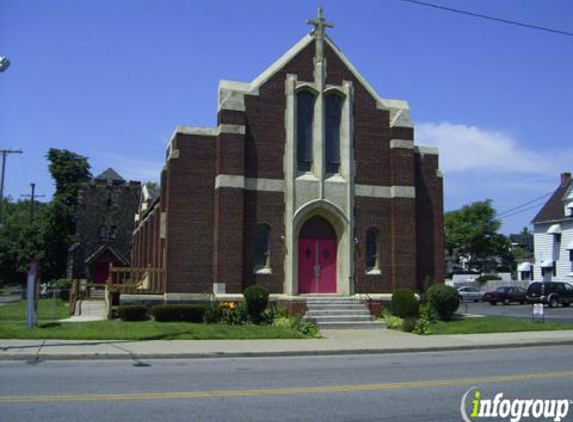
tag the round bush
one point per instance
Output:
(256, 299)
(178, 313)
(64, 285)
(404, 303)
(444, 300)
(132, 313)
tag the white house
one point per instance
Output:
(553, 235)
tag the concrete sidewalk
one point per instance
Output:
(335, 342)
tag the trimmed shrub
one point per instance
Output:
(178, 313)
(444, 300)
(132, 313)
(213, 313)
(64, 285)
(404, 303)
(256, 299)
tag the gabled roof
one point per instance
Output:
(230, 92)
(110, 174)
(554, 209)
(104, 248)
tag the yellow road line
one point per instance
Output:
(283, 391)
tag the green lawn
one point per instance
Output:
(48, 310)
(494, 324)
(146, 330)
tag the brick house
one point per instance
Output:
(310, 183)
(104, 226)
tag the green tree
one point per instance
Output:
(472, 231)
(68, 170)
(20, 240)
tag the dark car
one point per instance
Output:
(506, 295)
(552, 293)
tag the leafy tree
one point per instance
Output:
(20, 240)
(68, 170)
(472, 231)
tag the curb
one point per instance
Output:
(34, 357)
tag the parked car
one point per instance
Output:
(552, 293)
(506, 295)
(469, 294)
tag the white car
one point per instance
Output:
(468, 294)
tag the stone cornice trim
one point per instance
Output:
(426, 150)
(248, 183)
(402, 143)
(372, 191)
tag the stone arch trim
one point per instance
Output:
(324, 209)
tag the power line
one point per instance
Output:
(491, 18)
(501, 214)
(518, 212)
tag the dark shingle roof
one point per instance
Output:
(110, 174)
(554, 208)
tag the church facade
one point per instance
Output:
(311, 183)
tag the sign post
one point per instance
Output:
(538, 312)
(32, 296)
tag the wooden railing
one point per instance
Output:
(132, 280)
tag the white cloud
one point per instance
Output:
(479, 164)
(469, 148)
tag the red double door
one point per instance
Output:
(317, 265)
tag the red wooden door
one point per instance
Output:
(317, 265)
(101, 272)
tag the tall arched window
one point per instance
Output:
(262, 247)
(333, 112)
(304, 123)
(372, 239)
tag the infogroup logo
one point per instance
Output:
(513, 409)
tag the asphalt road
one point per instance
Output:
(401, 387)
(559, 314)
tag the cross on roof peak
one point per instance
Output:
(319, 23)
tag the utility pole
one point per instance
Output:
(5, 153)
(32, 197)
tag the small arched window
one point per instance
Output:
(304, 128)
(262, 247)
(333, 108)
(372, 239)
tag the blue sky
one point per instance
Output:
(110, 79)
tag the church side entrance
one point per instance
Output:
(317, 257)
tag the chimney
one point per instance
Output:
(565, 178)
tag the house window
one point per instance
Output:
(333, 107)
(102, 231)
(557, 237)
(304, 127)
(112, 232)
(262, 247)
(372, 239)
(546, 271)
(571, 255)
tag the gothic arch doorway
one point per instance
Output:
(317, 244)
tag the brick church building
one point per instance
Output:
(310, 183)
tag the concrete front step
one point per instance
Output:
(95, 308)
(336, 311)
(338, 318)
(352, 325)
(349, 306)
